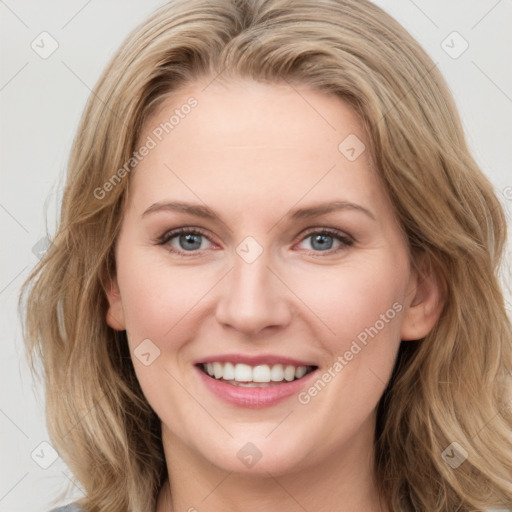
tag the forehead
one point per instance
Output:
(243, 139)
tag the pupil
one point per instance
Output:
(322, 242)
(190, 241)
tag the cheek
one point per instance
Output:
(154, 294)
(361, 310)
(352, 298)
(159, 303)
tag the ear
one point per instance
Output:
(424, 302)
(115, 313)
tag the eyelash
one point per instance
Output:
(346, 241)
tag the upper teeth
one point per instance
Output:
(259, 373)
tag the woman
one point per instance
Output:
(274, 282)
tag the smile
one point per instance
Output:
(262, 375)
(265, 382)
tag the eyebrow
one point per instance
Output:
(300, 213)
(179, 206)
(323, 208)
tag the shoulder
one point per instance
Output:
(68, 508)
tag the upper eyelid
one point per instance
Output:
(172, 233)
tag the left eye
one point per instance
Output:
(189, 241)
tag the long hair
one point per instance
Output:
(450, 387)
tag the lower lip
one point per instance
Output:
(254, 398)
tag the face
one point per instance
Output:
(258, 246)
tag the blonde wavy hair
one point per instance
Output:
(451, 386)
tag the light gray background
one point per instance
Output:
(41, 101)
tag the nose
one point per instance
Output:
(253, 298)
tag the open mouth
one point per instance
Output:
(263, 375)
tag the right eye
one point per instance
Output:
(185, 240)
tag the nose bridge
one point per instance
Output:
(252, 297)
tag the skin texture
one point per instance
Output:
(253, 153)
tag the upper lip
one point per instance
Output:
(255, 360)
